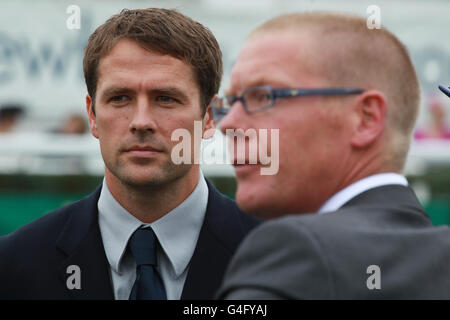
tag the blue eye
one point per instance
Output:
(166, 99)
(121, 98)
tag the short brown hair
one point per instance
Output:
(165, 31)
(355, 56)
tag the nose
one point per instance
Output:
(143, 118)
(236, 118)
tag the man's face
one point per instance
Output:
(142, 97)
(311, 136)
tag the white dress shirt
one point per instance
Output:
(358, 187)
(177, 232)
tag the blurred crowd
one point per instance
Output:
(437, 125)
(12, 114)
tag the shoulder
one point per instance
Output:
(36, 232)
(289, 234)
(31, 256)
(310, 226)
(38, 237)
(324, 233)
(326, 256)
(276, 258)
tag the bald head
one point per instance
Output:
(345, 53)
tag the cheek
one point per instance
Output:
(259, 194)
(294, 140)
(168, 126)
(112, 129)
(117, 120)
(299, 151)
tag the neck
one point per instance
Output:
(372, 164)
(150, 203)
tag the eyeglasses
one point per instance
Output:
(256, 99)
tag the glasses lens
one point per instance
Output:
(219, 109)
(258, 98)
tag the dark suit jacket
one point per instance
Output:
(34, 259)
(328, 256)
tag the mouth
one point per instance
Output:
(244, 167)
(143, 151)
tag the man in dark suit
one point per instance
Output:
(155, 228)
(344, 99)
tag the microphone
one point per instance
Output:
(444, 90)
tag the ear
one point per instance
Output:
(91, 116)
(371, 110)
(209, 127)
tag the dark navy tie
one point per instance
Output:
(148, 284)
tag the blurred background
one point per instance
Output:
(48, 157)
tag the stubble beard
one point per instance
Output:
(156, 177)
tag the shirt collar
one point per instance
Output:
(360, 186)
(177, 231)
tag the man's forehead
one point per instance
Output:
(129, 54)
(284, 43)
(120, 65)
(269, 58)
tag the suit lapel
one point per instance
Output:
(206, 269)
(214, 248)
(81, 242)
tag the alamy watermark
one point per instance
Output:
(74, 279)
(374, 19)
(73, 22)
(374, 280)
(244, 147)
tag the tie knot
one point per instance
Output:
(143, 246)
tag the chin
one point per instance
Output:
(139, 182)
(150, 175)
(140, 178)
(257, 205)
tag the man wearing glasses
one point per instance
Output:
(345, 100)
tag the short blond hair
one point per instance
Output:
(351, 55)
